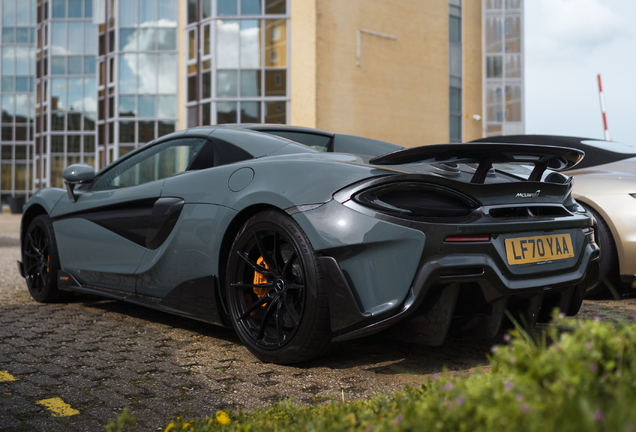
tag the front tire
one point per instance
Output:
(275, 292)
(41, 260)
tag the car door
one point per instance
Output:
(101, 237)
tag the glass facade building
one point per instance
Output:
(504, 79)
(90, 80)
(17, 102)
(237, 61)
(138, 77)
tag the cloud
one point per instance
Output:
(572, 27)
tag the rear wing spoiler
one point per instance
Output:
(485, 154)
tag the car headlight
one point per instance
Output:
(416, 200)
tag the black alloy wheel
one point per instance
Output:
(40, 260)
(274, 290)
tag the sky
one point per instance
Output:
(567, 43)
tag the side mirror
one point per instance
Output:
(77, 174)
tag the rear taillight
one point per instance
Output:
(468, 238)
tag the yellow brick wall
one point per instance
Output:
(473, 70)
(399, 91)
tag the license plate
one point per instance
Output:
(552, 247)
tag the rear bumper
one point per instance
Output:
(537, 295)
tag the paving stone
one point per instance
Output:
(78, 381)
(7, 421)
(27, 389)
(51, 369)
(42, 380)
(109, 398)
(46, 425)
(87, 426)
(18, 405)
(74, 396)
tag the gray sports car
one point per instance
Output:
(299, 239)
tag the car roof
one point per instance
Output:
(597, 152)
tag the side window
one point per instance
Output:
(156, 163)
(315, 141)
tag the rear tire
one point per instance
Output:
(275, 293)
(608, 264)
(41, 260)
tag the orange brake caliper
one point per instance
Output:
(259, 279)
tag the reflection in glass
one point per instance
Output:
(276, 43)
(276, 82)
(58, 94)
(58, 42)
(57, 166)
(455, 59)
(192, 45)
(494, 4)
(168, 13)
(192, 115)
(513, 103)
(250, 112)
(226, 7)
(455, 99)
(73, 144)
(250, 83)
(494, 35)
(454, 29)
(89, 122)
(494, 104)
(20, 133)
(75, 94)
(75, 8)
(20, 176)
(494, 67)
(147, 12)
(90, 38)
(8, 60)
(146, 131)
(128, 13)
(147, 39)
(127, 106)
(168, 76)
(513, 4)
(513, 66)
(89, 144)
(513, 34)
(146, 106)
(88, 9)
(275, 6)
(22, 107)
(455, 123)
(167, 39)
(206, 85)
(127, 39)
(206, 8)
(75, 65)
(250, 44)
(165, 128)
(8, 108)
(192, 11)
(7, 135)
(227, 44)
(20, 152)
(226, 112)
(57, 143)
(226, 83)
(275, 112)
(206, 115)
(21, 84)
(166, 106)
(76, 38)
(74, 122)
(127, 76)
(8, 35)
(90, 101)
(22, 60)
(22, 35)
(59, 9)
(250, 7)
(8, 84)
(89, 65)
(126, 132)
(147, 73)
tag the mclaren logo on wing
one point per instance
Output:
(528, 194)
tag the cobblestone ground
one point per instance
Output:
(96, 356)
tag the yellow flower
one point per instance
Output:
(169, 427)
(222, 418)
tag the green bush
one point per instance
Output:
(575, 376)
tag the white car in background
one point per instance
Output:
(605, 184)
